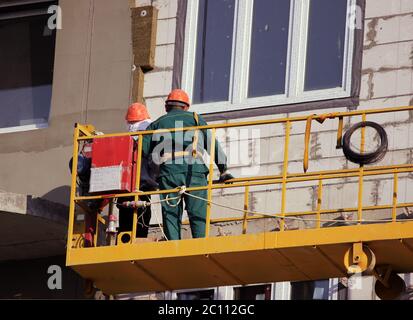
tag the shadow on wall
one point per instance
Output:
(35, 279)
(59, 195)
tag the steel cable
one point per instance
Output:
(361, 157)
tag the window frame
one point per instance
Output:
(20, 5)
(271, 285)
(38, 124)
(328, 282)
(296, 59)
(175, 293)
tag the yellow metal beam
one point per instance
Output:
(236, 260)
(87, 130)
(340, 132)
(210, 183)
(244, 243)
(137, 186)
(320, 212)
(395, 191)
(246, 208)
(307, 143)
(296, 255)
(361, 173)
(72, 193)
(278, 179)
(257, 122)
(285, 173)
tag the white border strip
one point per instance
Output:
(28, 127)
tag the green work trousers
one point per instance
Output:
(196, 209)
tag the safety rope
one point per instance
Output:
(156, 216)
(182, 191)
(278, 216)
(160, 227)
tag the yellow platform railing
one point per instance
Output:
(84, 133)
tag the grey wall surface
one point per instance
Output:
(92, 78)
(386, 81)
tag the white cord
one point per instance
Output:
(273, 216)
(143, 224)
(173, 205)
(167, 199)
(156, 216)
(160, 227)
(277, 216)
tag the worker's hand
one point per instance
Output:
(225, 176)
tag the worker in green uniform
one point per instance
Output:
(179, 155)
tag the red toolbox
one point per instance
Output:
(113, 165)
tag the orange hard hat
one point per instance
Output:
(137, 112)
(178, 97)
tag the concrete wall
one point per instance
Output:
(92, 83)
(158, 82)
(387, 81)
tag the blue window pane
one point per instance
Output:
(269, 47)
(214, 50)
(325, 47)
(26, 68)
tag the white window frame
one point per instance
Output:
(285, 289)
(296, 59)
(40, 124)
(282, 291)
(174, 294)
(231, 295)
(333, 288)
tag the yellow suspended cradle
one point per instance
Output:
(378, 247)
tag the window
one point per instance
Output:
(310, 290)
(26, 65)
(342, 292)
(196, 295)
(255, 53)
(262, 292)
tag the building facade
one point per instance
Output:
(85, 61)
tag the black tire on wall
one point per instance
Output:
(365, 158)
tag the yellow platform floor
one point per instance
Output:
(236, 260)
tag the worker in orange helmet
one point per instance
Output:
(138, 119)
(180, 157)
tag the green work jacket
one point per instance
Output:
(173, 151)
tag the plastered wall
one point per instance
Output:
(92, 83)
